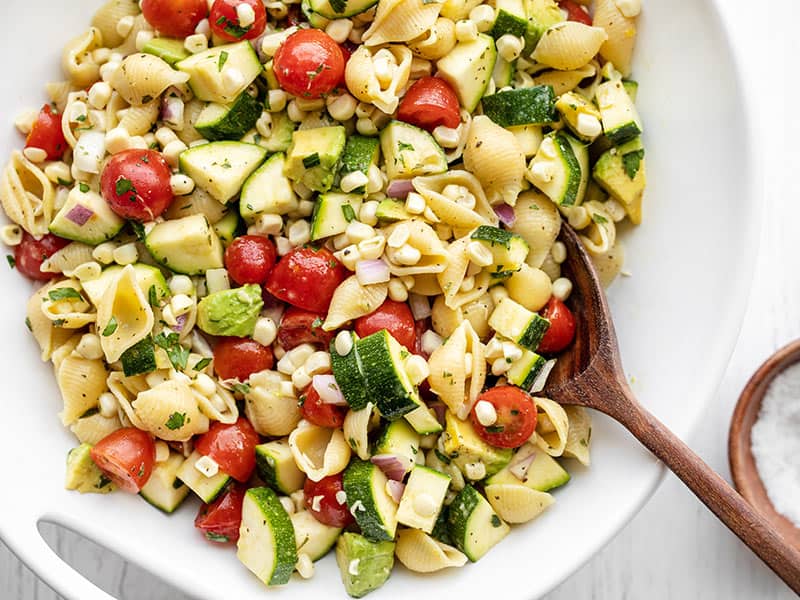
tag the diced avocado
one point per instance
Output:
(474, 526)
(410, 151)
(524, 370)
(207, 488)
(381, 358)
(333, 212)
(462, 446)
(312, 537)
(86, 217)
(560, 168)
(150, 279)
(83, 475)
(468, 68)
(543, 474)
(169, 50)
(349, 374)
(188, 245)
(164, 490)
(423, 498)
(580, 115)
(277, 468)
(139, 358)
(229, 121)
(542, 14)
(222, 73)
(621, 121)
(313, 158)
(511, 19)
(227, 227)
(267, 544)
(517, 323)
(360, 153)
(399, 438)
(221, 168)
(230, 312)
(621, 173)
(268, 191)
(509, 250)
(368, 501)
(392, 210)
(503, 72)
(524, 106)
(365, 565)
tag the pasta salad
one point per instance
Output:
(300, 260)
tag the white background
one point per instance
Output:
(674, 549)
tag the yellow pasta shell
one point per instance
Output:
(319, 451)
(108, 16)
(444, 319)
(27, 195)
(493, 155)
(450, 212)
(401, 21)
(569, 45)
(517, 503)
(438, 42)
(68, 258)
(420, 553)
(157, 409)
(579, 435)
(552, 428)
(92, 429)
(356, 430)
(125, 313)
(539, 223)
(81, 382)
(621, 32)
(48, 336)
(138, 120)
(564, 81)
(363, 83)
(352, 300)
(609, 264)
(270, 411)
(141, 78)
(76, 59)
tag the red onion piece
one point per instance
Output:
(519, 466)
(372, 271)
(328, 390)
(79, 214)
(420, 306)
(394, 466)
(439, 409)
(399, 188)
(395, 489)
(505, 213)
(172, 109)
(541, 378)
(180, 322)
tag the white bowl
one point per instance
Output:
(677, 318)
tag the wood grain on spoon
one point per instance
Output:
(590, 374)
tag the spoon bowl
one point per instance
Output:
(742, 463)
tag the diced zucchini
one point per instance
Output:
(621, 172)
(86, 217)
(83, 475)
(370, 504)
(313, 158)
(560, 169)
(188, 245)
(148, 277)
(381, 359)
(542, 14)
(399, 438)
(632, 87)
(277, 468)
(266, 543)
(503, 73)
(474, 526)
(226, 228)
(524, 370)
(268, 191)
(221, 168)
(524, 106)
(333, 212)
(207, 488)
(510, 19)
(423, 498)
(280, 137)
(543, 474)
(210, 72)
(468, 68)
(462, 446)
(517, 323)
(509, 250)
(169, 50)
(392, 210)
(164, 490)
(364, 565)
(410, 151)
(360, 153)
(139, 358)
(338, 9)
(423, 420)
(231, 312)
(229, 121)
(580, 115)
(621, 121)
(312, 537)
(349, 375)
(314, 19)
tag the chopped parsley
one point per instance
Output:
(311, 161)
(233, 28)
(177, 354)
(315, 72)
(176, 421)
(496, 522)
(12, 262)
(348, 212)
(64, 182)
(631, 162)
(242, 388)
(28, 324)
(216, 537)
(223, 58)
(317, 323)
(599, 219)
(123, 186)
(402, 147)
(495, 429)
(338, 6)
(84, 187)
(441, 456)
(152, 296)
(201, 364)
(138, 229)
(64, 293)
(102, 482)
(111, 327)
(80, 118)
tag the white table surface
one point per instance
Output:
(674, 549)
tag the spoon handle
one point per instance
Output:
(724, 501)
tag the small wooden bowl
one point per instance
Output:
(743, 466)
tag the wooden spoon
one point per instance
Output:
(590, 374)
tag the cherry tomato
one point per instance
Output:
(516, 417)
(307, 278)
(31, 253)
(320, 413)
(47, 134)
(300, 326)
(175, 18)
(135, 183)
(309, 64)
(231, 446)
(393, 316)
(322, 503)
(562, 327)
(238, 358)
(225, 23)
(220, 520)
(250, 258)
(575, 12)
(126, 457)
(430, 102)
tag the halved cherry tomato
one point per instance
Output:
(135, 183)
(430, 102)
(300, 326)
(238, 358)
(320, 413)
(220, 520)
(309, 64)
(393, 316)
(562, 327)
(575, 12)
(175, 18)
(516, 417)
(307, 278)
(231, 446)
(225, 22)
(322, 503)
(250, 258)
(31, 253)
(126, 457)
(47, 134)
